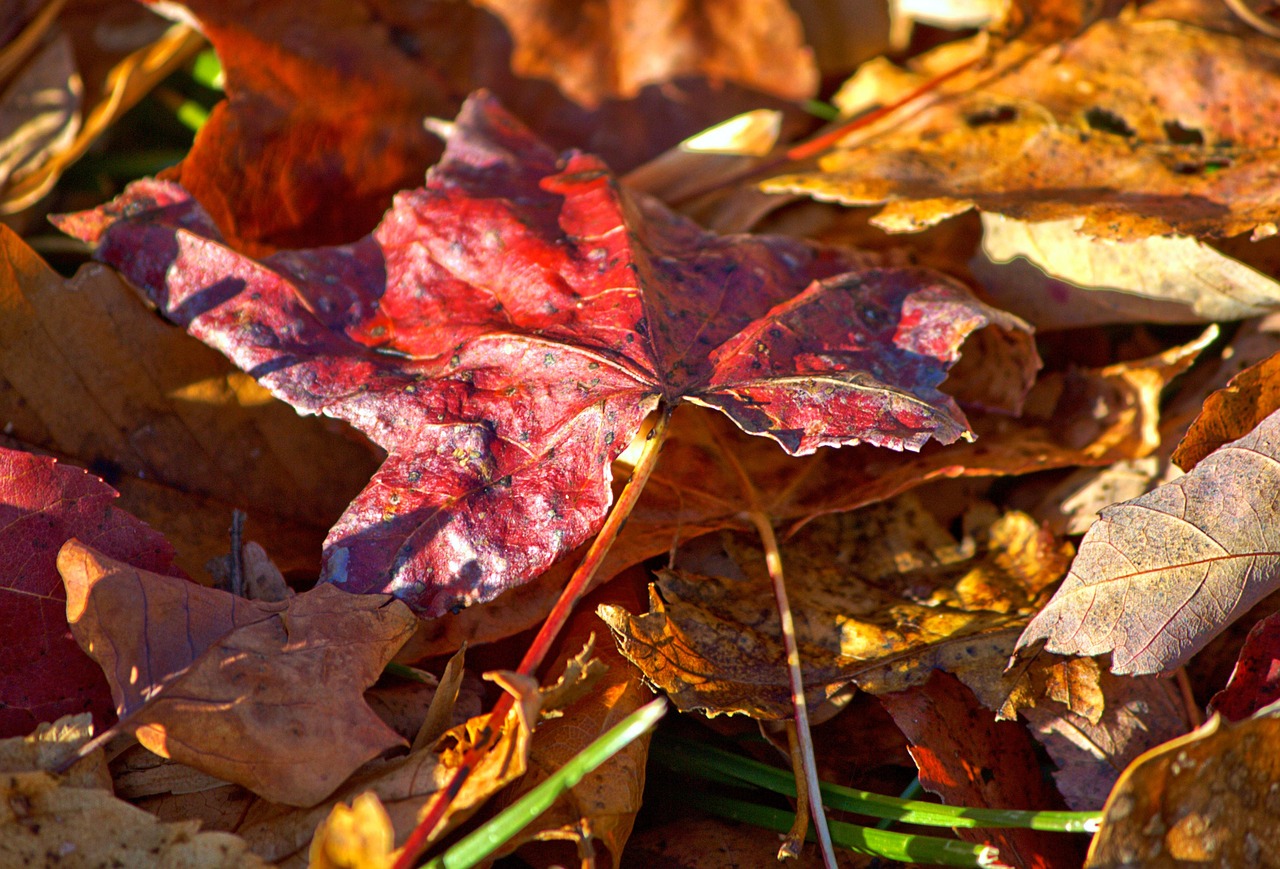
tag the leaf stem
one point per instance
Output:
(808, 767)
(578, 584)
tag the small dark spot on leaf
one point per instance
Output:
(549, 359)
(1107, 121)
(991, 115)
(1180, 135)
(642, 326)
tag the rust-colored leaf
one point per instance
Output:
(1255, 682)
(1208, 798)
(1232, 412)
(970, 759)
(267, 695)
(1153, 606)
(506, 330)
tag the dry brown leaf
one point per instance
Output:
(604, 804)
(1152, 607)
(1209, 798)
(875, 593)
(39, 109)
(1145, 124)
(267, 695)
(1090, 722)
(1232, 412)
(403, 785)
(709, 843)
(44, 823)
(180, 433)
(603, 49)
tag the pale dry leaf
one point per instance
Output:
(1152, 607)
(43, 822)
(1205, 283)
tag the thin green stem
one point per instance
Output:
(864, 840)
(578, 584)
(723, 766)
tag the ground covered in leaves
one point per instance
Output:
(310, 417)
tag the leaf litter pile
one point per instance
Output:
(373, 459)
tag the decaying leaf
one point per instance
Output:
(1255, 682)
(1152, 607)
(403, 785)
(508, 327)
(354, 837)
(42, 503)
(52, 743)
(1232, 412)
(604, 804)
(969, 759)
(1144, 124)
(1209, 798)
(879, 596)
(44, 823)
(267, 695)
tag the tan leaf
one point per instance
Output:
(1112, 125)
(1208, 798)
(1146, 270)
(51, 744)
(267, 695)
(1152, 607)
(43, 823)
(355, 837)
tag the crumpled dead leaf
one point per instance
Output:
(1232, 412)
(267, 695)
(969, 759)
(1208, 798)
(1255, 681)
(1152, 607)
(43, 822)
(874, 593)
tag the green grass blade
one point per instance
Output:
(207, 70)
(864, 840)
(487, 839)
(726, 767)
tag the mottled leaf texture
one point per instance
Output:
(264, 694)
(1158, 577)
(42, 503)
(1208, 798)
(508, 326)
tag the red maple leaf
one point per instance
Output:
(506, 329)
(42, 504)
